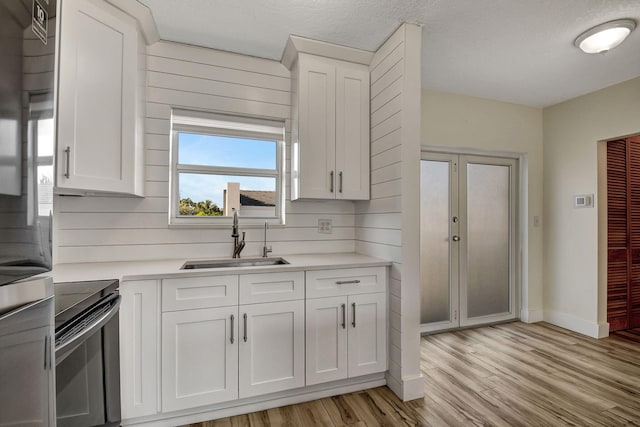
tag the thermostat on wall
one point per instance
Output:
(583, 201)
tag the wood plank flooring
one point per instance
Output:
(512, 374)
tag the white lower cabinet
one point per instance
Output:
(192, 342)
(367, 349)
(199, 357)
(271, 347)
(346, 334)
(139, 334)
(346, 337)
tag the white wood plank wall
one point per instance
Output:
(379, 221)
(99, 228)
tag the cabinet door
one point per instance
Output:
(139, 321)
(352, 131)
(367, 334)
(27, 391)
(326, 339)
(271, 340)
(317, 128)
(199, 357)
(96, 99)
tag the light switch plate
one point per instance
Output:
(325, 226)
(583, 200)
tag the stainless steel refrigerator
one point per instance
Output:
(27, 135)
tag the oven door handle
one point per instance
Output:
(63, 350)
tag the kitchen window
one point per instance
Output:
(221, 163)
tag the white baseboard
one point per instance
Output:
(409, 388)
(576, 324)
(259, 403)
(603, 330)
(531, 315)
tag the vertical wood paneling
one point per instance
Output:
(108, 228)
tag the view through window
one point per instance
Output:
(221, 165)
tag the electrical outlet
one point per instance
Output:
(325, 226)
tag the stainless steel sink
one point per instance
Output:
(238, 262)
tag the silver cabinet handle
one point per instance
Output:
(340, 176)
(344, 316)
(331, 181)
(353, 319)
(233, 318)
(245, 326)
(456, 238)
(46, 340)
(346, 282)
(67, 153)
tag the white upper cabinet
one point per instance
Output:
(331, 129)
(100, 100)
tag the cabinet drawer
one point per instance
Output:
(346, 281)
(271, 287)
(199, 292)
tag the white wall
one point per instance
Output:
(385, 225)
(95, 229)
(466, 123)
(571, 133)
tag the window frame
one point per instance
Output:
(226, 125)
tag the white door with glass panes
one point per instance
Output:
(467, 240)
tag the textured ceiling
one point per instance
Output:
(518, 51)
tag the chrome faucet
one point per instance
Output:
(238, 246)
(265, 250)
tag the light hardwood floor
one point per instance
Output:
(513, 374)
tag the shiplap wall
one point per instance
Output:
(107, 228)
(384, 224)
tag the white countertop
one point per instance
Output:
(158, 269)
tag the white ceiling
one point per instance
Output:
(518, 51)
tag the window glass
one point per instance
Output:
(213, 150)
(220, 163)
(216, 195)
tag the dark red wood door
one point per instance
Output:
(623, 233)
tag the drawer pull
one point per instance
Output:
(232, 327)
(347, 282)
(245, 326)
(331, 181)
(353, 306)
(67, 153)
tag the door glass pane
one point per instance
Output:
(434, 241)
(488, 223)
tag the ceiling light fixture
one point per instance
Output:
(605, 37)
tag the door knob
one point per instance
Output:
(456, 238)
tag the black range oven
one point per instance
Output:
(87, 353)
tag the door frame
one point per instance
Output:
(520, 215)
